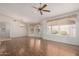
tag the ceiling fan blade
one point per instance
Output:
(46, 10)
(43, 6)
(41, 13)
(35, 7)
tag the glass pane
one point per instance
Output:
(55, 29)
(63, 26)
(49, 29)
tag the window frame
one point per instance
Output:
(60, 25)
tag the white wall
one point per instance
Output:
(69, 40)
(13, 29)
(17, 29)
(77, 23)
(5, 22)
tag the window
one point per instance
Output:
(65, 26)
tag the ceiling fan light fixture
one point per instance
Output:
(42, 9)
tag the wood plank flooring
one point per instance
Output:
(30, 46)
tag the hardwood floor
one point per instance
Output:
(30, 46)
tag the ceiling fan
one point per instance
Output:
(41, 9)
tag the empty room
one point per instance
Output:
(39, 29)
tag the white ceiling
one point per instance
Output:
(25, 11)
